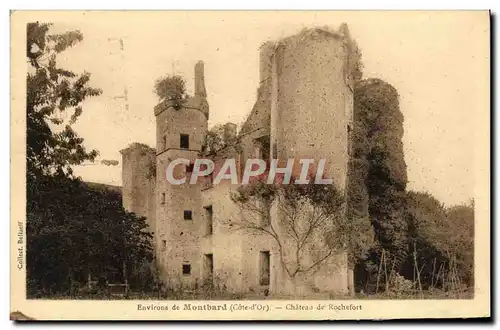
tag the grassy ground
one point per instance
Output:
(432, 295)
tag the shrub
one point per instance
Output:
(171, 88)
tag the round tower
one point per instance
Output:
(311, 100)
(311, 105)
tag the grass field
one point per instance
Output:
(190, 295)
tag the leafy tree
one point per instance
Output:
(415, 234)
(362, 239)
(426, 218)
(72, 230)
(171, 88)
(217, 141)
(75, 231)
(460, 247)
(379, 161)
(357, 191)
(442, 239)
(53, 94)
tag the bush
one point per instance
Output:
(170, 88)
(400, 286)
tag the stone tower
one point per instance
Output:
(179, 134)
(311, 112)
(139, 181)
(312, 100)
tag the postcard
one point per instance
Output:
(250, 165)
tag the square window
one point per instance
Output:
(184, 141)
(188, 215)
(163, 198)
(186, 269)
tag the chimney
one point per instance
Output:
(199, 80)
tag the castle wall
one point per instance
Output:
(224, 243)
(254, 243)
(139, 182)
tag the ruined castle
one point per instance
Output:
(304, 108)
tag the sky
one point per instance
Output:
(438, 62)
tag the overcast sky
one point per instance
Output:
(437, 61)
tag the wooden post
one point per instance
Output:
(385, 272)
(433, 271)
(350, 281)
(125, 276)
(416, 267)
(379, 270)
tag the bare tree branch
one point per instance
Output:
(306, 217)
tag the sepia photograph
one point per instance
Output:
(250, 165)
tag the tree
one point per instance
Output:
(52, 146)
(171, 88)
(309, 221)
(376, 105)
(53, 95)
(72, 230)
(75, 231)
(377, 181)
(460, 248)
(357, 193)
(426, 218)
(442, 239)
(217, 141)
(362, 238)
